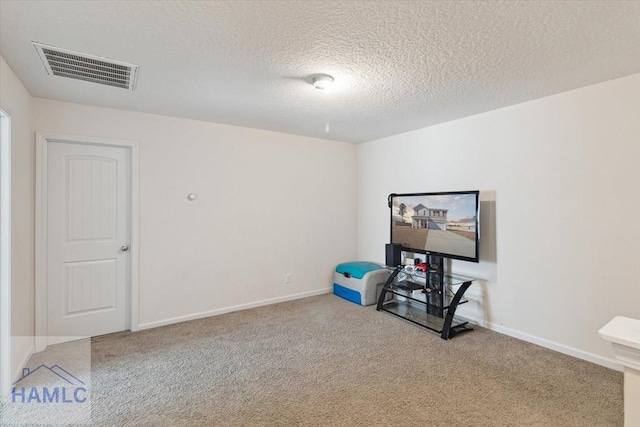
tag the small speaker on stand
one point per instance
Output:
(393, 255)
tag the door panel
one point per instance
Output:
(88, 221)
(91, 198)
(91, 285)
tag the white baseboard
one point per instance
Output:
(17, 374)
(552, 345)
(561, 348)
(219, 311)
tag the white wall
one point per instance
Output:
(561, 174)
(269, 204)
(553, 172)
(16, 101)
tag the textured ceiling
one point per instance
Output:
(398, 65)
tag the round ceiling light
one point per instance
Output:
(322, 81)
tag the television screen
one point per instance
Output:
(442, 224)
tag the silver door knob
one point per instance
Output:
(124, 248)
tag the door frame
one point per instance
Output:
(42, 143)
(5, 254)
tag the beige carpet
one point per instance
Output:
(323, 361)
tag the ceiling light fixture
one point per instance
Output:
(322, 81)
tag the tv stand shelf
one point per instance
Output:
(426, 299)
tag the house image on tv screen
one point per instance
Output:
(433, 219)
(439, 223)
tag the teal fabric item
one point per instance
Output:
(357, 269)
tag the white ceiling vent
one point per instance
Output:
(90, 68)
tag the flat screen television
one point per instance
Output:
(441, 224)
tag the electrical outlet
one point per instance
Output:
(287, 279)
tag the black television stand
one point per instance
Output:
(426, 298)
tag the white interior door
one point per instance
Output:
(88, 233)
